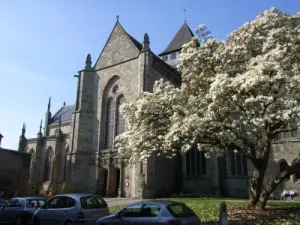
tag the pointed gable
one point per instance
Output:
(119, 47)
(183, 36)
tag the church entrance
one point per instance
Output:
(104, 180)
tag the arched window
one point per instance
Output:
(283, 165)
(238, 164)
(120, 122)
(109, 131)
(48, 165)
(195, 163)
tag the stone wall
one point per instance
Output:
(14, 171)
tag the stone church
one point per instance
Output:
(75, 151)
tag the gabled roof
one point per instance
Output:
(136, 43)
(65, 113)
(183, 36)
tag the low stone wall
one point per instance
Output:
(14, 172)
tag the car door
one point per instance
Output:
(45, 213)
(130, 215)
(11, 209)
(61, 212)
(150, 214)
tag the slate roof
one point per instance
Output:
(136, 43)
(65, 113)
(183, 36)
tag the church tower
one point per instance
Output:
(171, 53)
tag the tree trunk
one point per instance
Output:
(273, 184)
(256, 185)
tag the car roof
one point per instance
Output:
(30, 198)
(161, 202)
(75, 195)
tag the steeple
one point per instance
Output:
(183, 36)
(22, 140)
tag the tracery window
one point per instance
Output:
(110, 116)
(120, 121)
(114, 123)
(195, 163)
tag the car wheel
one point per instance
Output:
(18, 221)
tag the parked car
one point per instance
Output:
(2, 202)
(20, 210)
(153, 212)
(68, 209)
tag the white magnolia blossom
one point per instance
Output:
(235, 94)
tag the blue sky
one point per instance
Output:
(44, 43)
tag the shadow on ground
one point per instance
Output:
(272, 215)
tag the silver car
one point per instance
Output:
(153, 212)
(20, 210)
(69, 209)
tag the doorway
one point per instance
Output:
(104, 184)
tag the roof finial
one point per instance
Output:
(40, 131)
(64, 104)
(59, 123)
(118, 18)
(146, 42)
(23, 130)
(49, 104)
(88, 62)
(184, 15)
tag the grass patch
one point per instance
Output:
(276, 213)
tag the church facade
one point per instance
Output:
(75, 151)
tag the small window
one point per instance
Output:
(34, 203)
(132, 211)
(180, 211)
(165, 58)
(67, 202)
(92, 202)
(150, 210)
(173, 55)
(53, 203)
(14, 203)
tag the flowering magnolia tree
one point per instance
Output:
(236, 94)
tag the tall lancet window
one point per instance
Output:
(120, 121)
(110, 114)
(48, 165)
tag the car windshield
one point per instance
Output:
(34, 203)
(180, 211)
(92, 202)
